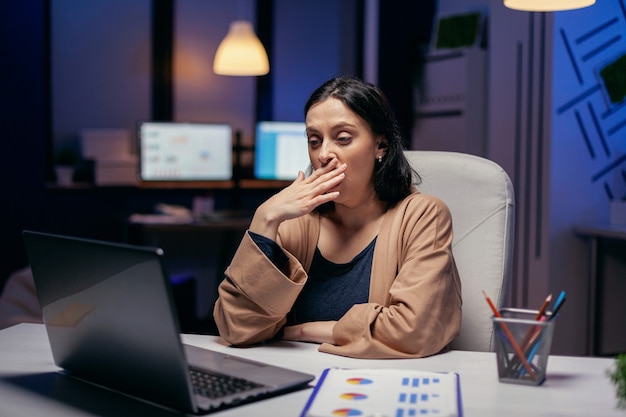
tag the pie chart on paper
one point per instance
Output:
(352, 396)
(347, 412)
(359, 381)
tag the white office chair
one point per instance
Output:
(480, 196)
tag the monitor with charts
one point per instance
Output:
(280, 150)
(175, 151)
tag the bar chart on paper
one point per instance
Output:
(384, 392)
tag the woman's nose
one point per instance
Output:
(326, 153)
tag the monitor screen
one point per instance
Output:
(280, 150)
(172, 151)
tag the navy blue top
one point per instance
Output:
(331, 289)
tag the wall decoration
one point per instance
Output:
(613, 76)
(596, 94)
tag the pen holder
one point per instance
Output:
(522, 346)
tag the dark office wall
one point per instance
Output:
(26, 129)
(23, 124)
(100, 66)
(404, 34)
(303, 58)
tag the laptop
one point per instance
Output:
(109, 312)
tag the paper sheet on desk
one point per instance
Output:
(384, 393)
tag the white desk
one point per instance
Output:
(575, 386)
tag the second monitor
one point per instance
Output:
(280, 150)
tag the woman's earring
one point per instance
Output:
(380, 158)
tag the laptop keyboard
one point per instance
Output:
(217, 386)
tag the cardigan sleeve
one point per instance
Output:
(420, 312)
(255, 296)
(271, 249)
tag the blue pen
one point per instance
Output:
(557, 305)
(531, 355)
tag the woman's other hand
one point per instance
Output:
(315, 331)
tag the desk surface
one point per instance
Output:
(575, 386)
(601, 230)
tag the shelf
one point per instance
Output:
(188, 184)
(245, 184)
(263, 184)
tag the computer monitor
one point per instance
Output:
(175, 151)
(280, 150)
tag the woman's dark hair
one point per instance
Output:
(393, 176)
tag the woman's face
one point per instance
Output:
(336, 132)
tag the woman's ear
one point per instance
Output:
(382, 143)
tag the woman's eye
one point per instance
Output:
(344, 139)
(313, 142)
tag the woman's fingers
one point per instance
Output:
(317, 186)
(301, 197)
(323, 179)
(328, 171)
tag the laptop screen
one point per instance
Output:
(111, 319)
(172, 151)
(280, 150)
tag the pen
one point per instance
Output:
(532, 345)
(531, 355)
(538, 317)
(557, 305)
(533, 332)
(516, 347)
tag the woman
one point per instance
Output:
(351, 256)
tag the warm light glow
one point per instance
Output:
(241, 52)
(547, 5)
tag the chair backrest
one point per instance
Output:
(479, 194)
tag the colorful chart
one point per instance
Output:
(352, 396)
(359, 381)
(385, 392)
(347, 412)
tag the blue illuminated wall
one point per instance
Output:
(100, 66)
(587, 162)
(588, 121)
(552, 128)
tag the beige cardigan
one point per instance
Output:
(414, 307)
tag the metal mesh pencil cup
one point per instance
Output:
(522, 346)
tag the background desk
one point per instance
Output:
(607, 288)
(575, 386)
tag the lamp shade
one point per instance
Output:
(241, 52)
(547, 5)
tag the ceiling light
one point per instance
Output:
(241, 52)
(547, 5)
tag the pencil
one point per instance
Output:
(516, 347)
(542, 309)
(538, 317)
(531, 343)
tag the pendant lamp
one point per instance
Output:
(547, 5)
(241, 52)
